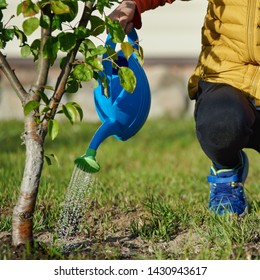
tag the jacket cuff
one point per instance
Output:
(137, 20)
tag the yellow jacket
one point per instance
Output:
(230, 47)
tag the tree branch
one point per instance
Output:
(43, 63)
(12, 78)
(42, 67)
(63, 77)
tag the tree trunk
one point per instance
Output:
(22, 221)
(34, 135)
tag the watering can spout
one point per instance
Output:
(107, 128)
(88, 162)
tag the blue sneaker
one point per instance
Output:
(226, 189)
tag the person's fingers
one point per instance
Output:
(128, 27)
(123, 20)
(124, 14)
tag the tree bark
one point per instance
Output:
(22, 220)
(34, 135)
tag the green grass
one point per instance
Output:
(149, 200)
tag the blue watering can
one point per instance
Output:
(122, 113)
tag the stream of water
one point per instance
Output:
(75, 206)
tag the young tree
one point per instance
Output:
(58, 35)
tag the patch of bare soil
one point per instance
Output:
(111, 240)
(113, 247)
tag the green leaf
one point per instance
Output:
(140, 55)
(83, 72)
(48, 158)
(112, 54)
(99, 50)
(49, 87)
(86, 47)
(95, 64)
(19, 9)
(105, 86)
(30, 25)
(116, 31)
(51, 48)
(64, 11)
(45, 21)
(56, 23)
(79, 109)
(63, 61)
(59, 8)
(97, 25)
(20, 35)
(67, 41)
(3, 4)
(127, 49)
(104, 81)
(2, 43)
(89, 44)
(70, 112)
(27, 8)
(44, 97)
(72, 86)
(25, 51)
(82, 32)
(101, 4)
(127, 79)
(53, 129)
(8, 34)
(30, 106)
(35, 48)
(45, 109)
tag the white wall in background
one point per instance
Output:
(173, 30)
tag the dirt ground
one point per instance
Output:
(115, 242)
(114, 247)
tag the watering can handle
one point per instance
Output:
(132, 39)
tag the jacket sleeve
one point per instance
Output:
(145, 5)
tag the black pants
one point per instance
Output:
(226, 122)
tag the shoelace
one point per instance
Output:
(225, 192)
